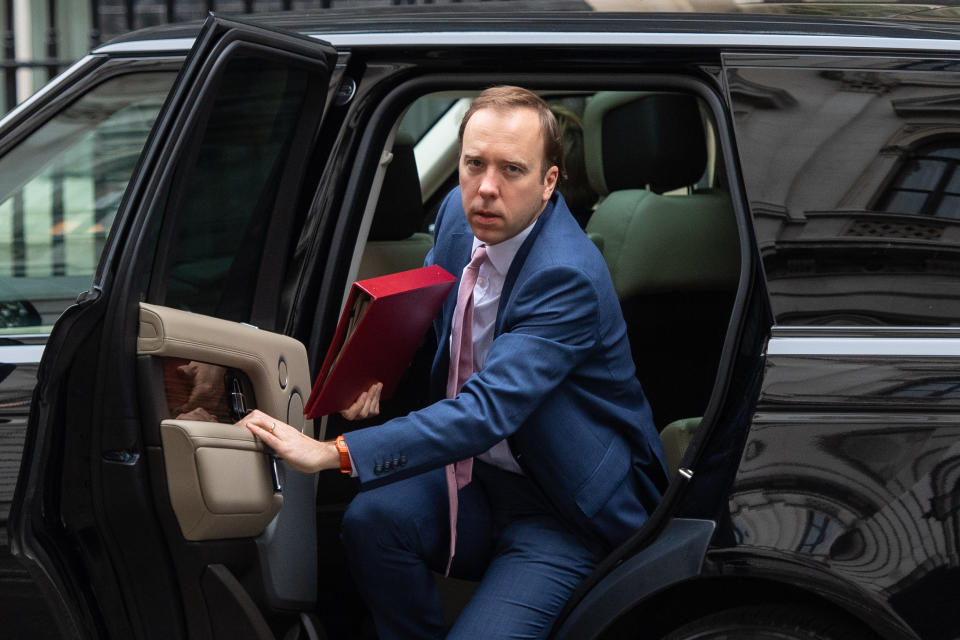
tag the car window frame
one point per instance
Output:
(173, 217)
(750, 315)
(76, 82)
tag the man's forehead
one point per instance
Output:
(527, 134)
(504, 111)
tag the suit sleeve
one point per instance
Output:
(550, 327)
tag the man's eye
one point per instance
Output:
(474, 163)
(512, 168)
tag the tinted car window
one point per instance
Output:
(850, 176)
(423, 114)
(231, 187)
(59, 192)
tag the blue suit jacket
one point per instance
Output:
(558, 381)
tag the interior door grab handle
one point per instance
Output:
(238, 404)
(275, 475)
(238, 407)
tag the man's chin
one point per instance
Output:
(487, 237)
(489, 233)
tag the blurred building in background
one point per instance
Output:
(41, 38)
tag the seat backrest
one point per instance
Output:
(676, 437)
(395, 242)
(674, 260)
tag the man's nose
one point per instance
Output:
(488, 184)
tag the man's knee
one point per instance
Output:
(406, 514)
(368, 512)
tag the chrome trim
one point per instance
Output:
(764, 40)
(21, 354)
(148, 46)
(498, 38)
(863, 346)
(44, 90)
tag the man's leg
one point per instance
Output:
(537, 564)
(396, 534)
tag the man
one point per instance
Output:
(568, 461)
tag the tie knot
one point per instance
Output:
(479, 254)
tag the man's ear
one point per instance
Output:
(550, 181)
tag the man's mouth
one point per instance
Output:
(485, 216)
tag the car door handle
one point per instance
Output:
(238, 407)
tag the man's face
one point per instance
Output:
(501, 174)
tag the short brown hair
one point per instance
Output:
(507, 97)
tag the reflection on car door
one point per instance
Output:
(134, 529)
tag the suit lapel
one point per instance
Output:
(457, 259)
(518, 261)
(453, 259)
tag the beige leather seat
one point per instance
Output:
(395, 242)
(675, 260)
(676, 437)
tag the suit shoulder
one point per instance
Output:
(450, 217)
(565, 243)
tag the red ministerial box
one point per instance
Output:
(381, 326)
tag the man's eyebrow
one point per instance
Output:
(517, 163)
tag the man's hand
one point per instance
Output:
(366, 406)
(300, 451)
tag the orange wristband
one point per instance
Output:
(341, 445)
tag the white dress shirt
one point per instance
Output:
(486, 301)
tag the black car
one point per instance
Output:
(777, 198)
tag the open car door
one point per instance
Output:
(140, 509)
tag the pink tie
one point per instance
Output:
(461, 368)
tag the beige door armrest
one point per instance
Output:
(219, 479)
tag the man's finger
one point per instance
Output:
(376, 404)
(264, 434)
(353, 410)
(368, 405)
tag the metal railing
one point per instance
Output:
(10, 64)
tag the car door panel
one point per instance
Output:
(219, 480)
(222, 483)
(275, 364)
(137, 513)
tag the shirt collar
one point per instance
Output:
(500, 255)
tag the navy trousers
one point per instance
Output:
(528, 562)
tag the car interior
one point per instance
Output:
(658, 210)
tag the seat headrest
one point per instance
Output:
(399, 212)
(639, 140)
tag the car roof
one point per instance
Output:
(567, 22)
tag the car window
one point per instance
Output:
(423, 115)
(852, 182)
(228, 191)
(59, 192)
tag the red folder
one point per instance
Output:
(381, 326)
